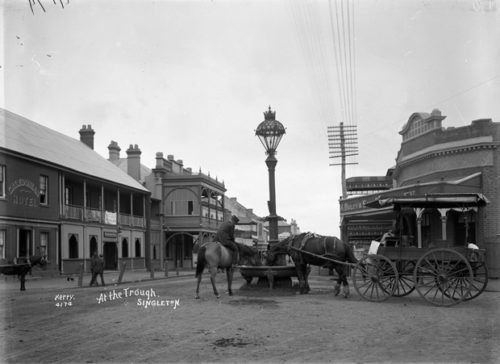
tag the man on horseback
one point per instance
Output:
(225, 236)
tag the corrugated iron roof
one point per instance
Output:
(26, 137)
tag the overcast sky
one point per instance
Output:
(193, 78)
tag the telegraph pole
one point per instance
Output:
(343, 144)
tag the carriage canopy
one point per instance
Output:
(435, 200)
(414, 230)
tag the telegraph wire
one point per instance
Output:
(306, 19)
(339, 63)
(465, 91)
(346, 64)
(352, 62)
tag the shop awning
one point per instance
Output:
(432, 200)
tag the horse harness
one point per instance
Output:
(329, 254)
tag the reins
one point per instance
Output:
(323, 257)
(306, 238)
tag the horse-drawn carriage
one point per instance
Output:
(444, 272)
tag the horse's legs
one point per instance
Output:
(198, 286)
(213, 272)
(300, 276)
(306, 277)
(346, 284)
(22, 278)
(229, 274)
(336, 290)
(342, 280)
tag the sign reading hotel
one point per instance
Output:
(24, 192)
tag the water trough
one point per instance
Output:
(270, 273)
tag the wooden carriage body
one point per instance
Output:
(443, 272)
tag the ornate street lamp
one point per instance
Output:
(270, 132)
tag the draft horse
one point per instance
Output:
(214, 255)
(308, 248)
(23, 268)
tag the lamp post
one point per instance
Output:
(270, 132)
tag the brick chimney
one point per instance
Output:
(134, 162)
(114, 151)
(159, 160)
(87, 136)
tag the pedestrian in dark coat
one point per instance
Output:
(97, 268)
(100, 268)
(93, 269)
(225, 236)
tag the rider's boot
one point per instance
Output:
(236, 257)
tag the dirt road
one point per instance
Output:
(160, 321)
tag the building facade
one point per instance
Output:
(61, 199)
(190, 208)
(433, 160)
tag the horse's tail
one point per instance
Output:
(200, 262)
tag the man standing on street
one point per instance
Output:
(97, 268)
(100, 269)
(94, 262)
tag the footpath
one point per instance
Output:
(111, 278)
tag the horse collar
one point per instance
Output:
(304, 240)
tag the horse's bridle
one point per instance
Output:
(286, 249)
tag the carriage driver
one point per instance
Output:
(225, 236)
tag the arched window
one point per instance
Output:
(124, 248)
(137, 248)
(73, 246)
(93, 245)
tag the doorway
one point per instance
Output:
(110, 255)
(24, 244)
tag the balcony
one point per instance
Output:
(124, 219)
(73, 212)
(210, 223)
(92, 215)
(131, 220)
(138, 221)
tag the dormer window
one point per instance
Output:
(421, 123)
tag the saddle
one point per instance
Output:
(235, 254)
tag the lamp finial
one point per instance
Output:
(270, 115)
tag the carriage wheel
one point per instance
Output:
(375, 278)
(443, 277)
(405, 283)
(479, 280)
